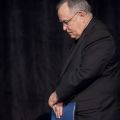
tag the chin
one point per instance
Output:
(73, 37)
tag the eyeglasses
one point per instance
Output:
(66, 22)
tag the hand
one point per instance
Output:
(53, 99)
(58, 109)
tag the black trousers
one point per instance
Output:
(87, 115)
(97, 115)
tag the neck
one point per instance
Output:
(87, 20)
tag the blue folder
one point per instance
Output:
(68, 112)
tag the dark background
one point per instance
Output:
(33, 48)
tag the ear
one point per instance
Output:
(82, 13)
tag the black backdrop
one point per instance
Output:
(33, 48)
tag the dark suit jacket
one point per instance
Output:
(90, 74)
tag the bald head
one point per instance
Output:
(74, 20)
(75, 5)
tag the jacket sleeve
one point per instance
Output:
(95, 58)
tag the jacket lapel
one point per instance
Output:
(78, 45)
(71, 56)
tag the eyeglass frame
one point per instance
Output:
(66, 22)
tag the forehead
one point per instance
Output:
(64, 12)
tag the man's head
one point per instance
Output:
(75, 15)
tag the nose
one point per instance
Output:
(64, 27)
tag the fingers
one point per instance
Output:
(58, 109)
(52, 99)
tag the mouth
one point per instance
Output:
(70, 33)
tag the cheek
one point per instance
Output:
(71, 28)
(74, 30)
(77, 28)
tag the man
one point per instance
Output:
(90, 74)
